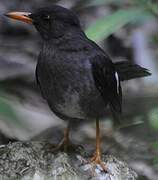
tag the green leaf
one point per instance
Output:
(8, 112)
(155, 145)
(142, 2)
(105, 26)
(153, 118)
(154, 8)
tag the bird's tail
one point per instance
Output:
(126, 70)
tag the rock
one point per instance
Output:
(37, 161)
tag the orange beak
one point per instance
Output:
(21, 16)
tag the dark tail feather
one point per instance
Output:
(126, 70)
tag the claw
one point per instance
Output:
(96, 160)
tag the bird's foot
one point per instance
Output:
(95, 165)
(96, 160)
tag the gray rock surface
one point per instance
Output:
(36, 161)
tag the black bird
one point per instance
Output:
(75, 76)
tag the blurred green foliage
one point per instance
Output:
(139, 11)
(8, 112)
(153, 121)
(105, 26)
(153, 118)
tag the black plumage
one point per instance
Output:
(76, 77)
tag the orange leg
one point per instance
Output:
(96, 159)
(63, 145)
(66, 145)
(66, 139)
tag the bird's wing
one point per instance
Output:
(38, 82)
(107, 82)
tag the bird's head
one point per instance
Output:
(51, 22)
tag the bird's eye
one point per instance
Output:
(46, 17)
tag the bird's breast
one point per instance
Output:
(70, 106)
(69, 88)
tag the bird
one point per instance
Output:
(76, 77)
